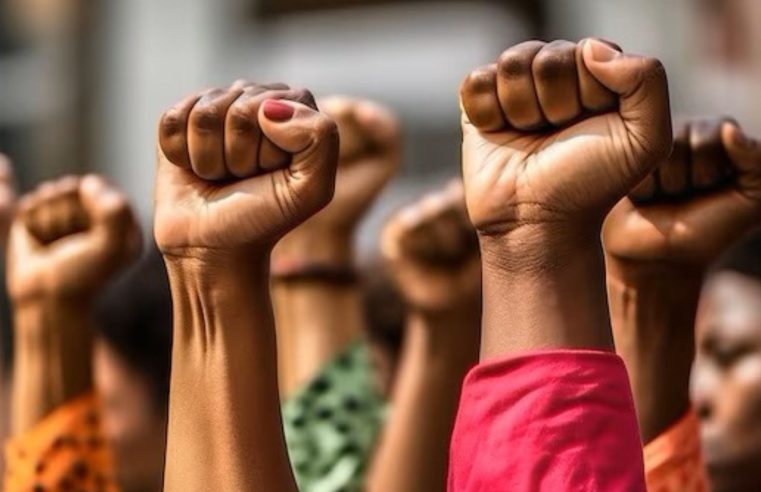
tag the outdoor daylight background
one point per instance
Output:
(83, 82)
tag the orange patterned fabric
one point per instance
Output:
(674, 461)
(64, 452)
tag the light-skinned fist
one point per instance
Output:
(68, 238)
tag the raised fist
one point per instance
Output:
(69, 236)
(554, 134)
(240, 167)
(432, 251)
(368, 158)
(700, 199)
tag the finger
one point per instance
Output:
(745, 154)
(675, 173)
(105, 205)
(515, 86)
(243, 135)
(173, 128)
(708, 158)
(557, 82)
(646, 190)
(64, 207)
(299, 130)
(41, 218)
(594, 96)
(642, 89)
(478, 96)
(206, 139)
(272, 157)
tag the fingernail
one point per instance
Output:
(601, 52)
(277, 111)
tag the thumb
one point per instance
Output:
(745, 154)
(110, 214)
(311, 136)
(642, 89)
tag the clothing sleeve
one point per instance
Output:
(560, 420)
(63, 452)
(674, 460)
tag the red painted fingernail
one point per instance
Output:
(277, 111)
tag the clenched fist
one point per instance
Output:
(695, 203)
(69, 236)
(432, 251)
(241, 166)
(556, 133)
(369, 156)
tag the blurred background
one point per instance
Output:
(83, 82)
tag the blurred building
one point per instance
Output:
(83, 82)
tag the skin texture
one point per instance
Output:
(68, 238)
(432, 251)
(659, 241)
(237, 169)
(132, 423)
(319, 318)
(542, 166)
(726, 379)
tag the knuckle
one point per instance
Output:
(206, 116)
(172, 122)
(241, 118)
(552, 63)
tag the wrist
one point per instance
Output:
(320, 248)
(447, 341)
(549, 295)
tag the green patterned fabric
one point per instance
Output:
(331, 424)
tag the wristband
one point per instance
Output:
(294, 271)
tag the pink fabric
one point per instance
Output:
(554, 421)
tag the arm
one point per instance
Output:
(220, 208)
(68, 239)
(548, 384)
(318, 306)
(658, 244)
(433, 252)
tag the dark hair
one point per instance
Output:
(134, 316)
(744, 256)
(384, 311)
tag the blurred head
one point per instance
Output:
(132, 361)
(384, 316)
(726, 377)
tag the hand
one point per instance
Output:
(432, 250)
(7, 198)
(695, 204)
(68, 238)
(369, 156)
(555, 134)
(240, 167)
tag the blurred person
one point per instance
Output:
(658, 244)
(238, 168)
(69, 238)
(131, 362)
(554, 134)
(432, 251)
(726, 377)
(7, 209)
(332, 408)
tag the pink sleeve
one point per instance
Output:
(556, 421)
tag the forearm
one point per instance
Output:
(653, 314)
(414, 449)
(317, 317)
(225, 429)
(532, 305)
(52, 362)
